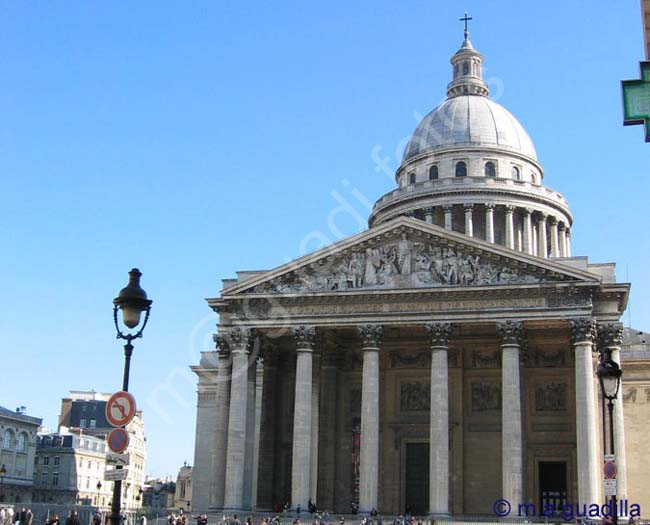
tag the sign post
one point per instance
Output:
(609, 475)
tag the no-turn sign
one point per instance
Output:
(120, 409)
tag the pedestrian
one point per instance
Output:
(143, 520)
(54, 520)
(235, 520)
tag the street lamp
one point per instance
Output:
(132, 301)
(3, 473)
(99, 487)
(609, 376)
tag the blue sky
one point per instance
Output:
(195, 139)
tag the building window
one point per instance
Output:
(55, 479)
(411, 178)
(465, 68)
(44, 478)
(57, 460)
(93, 423)
(46, 460)
(36, 460)
(516, 175)
(461, 169)
(6, 440)
(82, 422)
(433, 172)
(21, 442)
(490, 169)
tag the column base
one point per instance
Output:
(440, 515)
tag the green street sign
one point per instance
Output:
(636, 100)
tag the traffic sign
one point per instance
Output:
(118, 440)
(117, 474)
(609, 487)
(609, 467)
(120, 409)
(117, 459)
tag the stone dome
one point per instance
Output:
(469, 120)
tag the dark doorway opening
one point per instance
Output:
(417, 478)
(552, 483)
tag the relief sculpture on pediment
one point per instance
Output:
(397, 264)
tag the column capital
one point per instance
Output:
(221, 344)
(561, 226)
(468, 207)
(235, 339)
(428, 210)
(528, 211)
(542, 216)
(448, 208)
(439, 333)
(371, 335)
(509, 208)
(552, 220)
(305, 336)
(610, 335)
(489, 206)
(410, 213)
(583, 329)
(511, 332)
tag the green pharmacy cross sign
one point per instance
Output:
(636, 100)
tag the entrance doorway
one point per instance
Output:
(552, 483)
(416, 494)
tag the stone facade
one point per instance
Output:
(438, 361)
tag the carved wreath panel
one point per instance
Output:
(415, 396)
(486, 397)
(551, 397)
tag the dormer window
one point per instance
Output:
(490, 169)
(516, 174)
(412, 178)
(433, 172)
(461, 169)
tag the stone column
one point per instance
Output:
(567, 241)
(534, 242)
(220, 436)
(562, 229)
(469, 222)
(235, 455)
(439, 420)
(510, 227)
(512, 452)
(259, 387)
(251, 381)
(207, 409)
(302, 431)
(582, 334)
(528, 231)
(328, 430)
(449, 214)
(489, 222)
(369, 467)
(555, 240)
(542, 249)
(428, 214)
(610, 338)
(315, 415)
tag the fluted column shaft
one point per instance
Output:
(528, 232)
(302, 431)
(489, 223)
(582, 332)
(610, 339)
(512, 453)
(449, 210)
(315, 415)
(542, 250)
(439, 420)
(369, 450)
(510, 227)
(235, 455)
(259, 388)
(469, 221)
(555, 240)
(428, 215)
(250, 435)
(220, 437)
(563, 252)
(567, 242)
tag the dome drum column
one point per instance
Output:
(528, 231)
(449, 215)
(510, 227)
(542, 242)
(555, 241)
(489, 222)
(469, 221)
(562, 228)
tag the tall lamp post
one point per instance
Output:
(609, 377)
(131, 301)
(3, 473)
(99, 487)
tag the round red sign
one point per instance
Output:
(118, 440)
(120, 409)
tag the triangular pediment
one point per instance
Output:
(408, 253)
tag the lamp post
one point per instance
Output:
(99, 487)
(609, 376)
(3, 473)
(132, 301)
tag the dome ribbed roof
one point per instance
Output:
(469, 120)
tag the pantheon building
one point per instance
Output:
(438, 361)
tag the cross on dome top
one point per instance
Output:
(466, 19)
